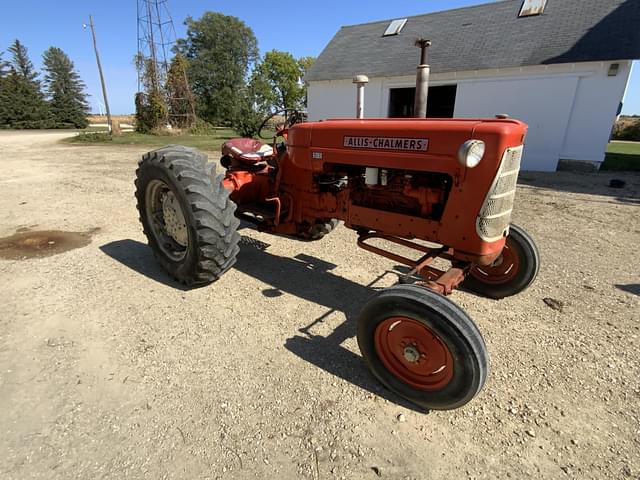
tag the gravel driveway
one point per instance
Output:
(108, 369)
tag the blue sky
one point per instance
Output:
(302, 28)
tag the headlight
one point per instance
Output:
(470, 153)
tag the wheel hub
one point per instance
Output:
(498, 261)
(502, 270)
(414, 353)
(174, 221)
(166, 220)
(411, 354)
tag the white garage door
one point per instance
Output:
(544, 103)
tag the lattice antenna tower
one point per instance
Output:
(156, 39)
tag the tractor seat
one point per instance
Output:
(247, 150)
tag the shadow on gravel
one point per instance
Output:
(632, 288)
(304, 276)
(311, 279)
(139, 257)
(585, 183)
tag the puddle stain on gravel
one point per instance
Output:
(24, 245)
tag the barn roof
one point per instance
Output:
(485, 37)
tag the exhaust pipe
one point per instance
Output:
(360, 81)
(422, 80)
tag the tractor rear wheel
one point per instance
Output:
(423, 347)
(515, 269)
(186, 214)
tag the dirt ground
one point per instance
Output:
(108, 369)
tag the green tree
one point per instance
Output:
(219, 50)
(181, 99)
(4, 72)
(65, 90)
(21, 64)
(22, 104)
(4, 66)
(305, 64)
(247, 119)
(151, 104)
(276, 81)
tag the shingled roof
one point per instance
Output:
(485, 37)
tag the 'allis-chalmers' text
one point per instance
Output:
(387, 143)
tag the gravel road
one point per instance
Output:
(108, 369)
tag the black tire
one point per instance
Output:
(211, 227)
(446, 321)
(492, 282)
(318, 230)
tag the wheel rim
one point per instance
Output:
(503, 270)
(166, 220)
(414, 353)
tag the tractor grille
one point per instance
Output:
(495, 215)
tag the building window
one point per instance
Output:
(395, 27)
(532, 7)
(441, 101)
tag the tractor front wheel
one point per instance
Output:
(318, 230)
(186, 214)
(423, 347)
(514, 270)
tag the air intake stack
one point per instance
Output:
(360, 81)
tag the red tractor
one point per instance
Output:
(450, 183)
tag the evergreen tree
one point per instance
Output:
(4, 72)
(21, 64)
(65, 90)
(22, 104)
(4, 66)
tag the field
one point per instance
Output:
(622, 156)
(102, 119)
(210, 142)
(109, 369)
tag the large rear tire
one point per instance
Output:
(515, 269)
(423, 347)
(186, 214)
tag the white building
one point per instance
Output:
(563, 70)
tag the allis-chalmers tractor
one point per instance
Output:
(444, 188)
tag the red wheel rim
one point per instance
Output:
(503, 270)
(413, 352)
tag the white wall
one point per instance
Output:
(595, 110)
(543, 103)
(570, 108)
(337, 99)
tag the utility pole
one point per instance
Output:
(104, 88)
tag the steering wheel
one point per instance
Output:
(291, 117)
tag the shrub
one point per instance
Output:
(627, 128)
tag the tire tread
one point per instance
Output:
(216, 238)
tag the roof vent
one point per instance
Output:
(395, 27)
(532, 7)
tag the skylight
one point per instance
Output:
(532, 7)
(395, 27)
